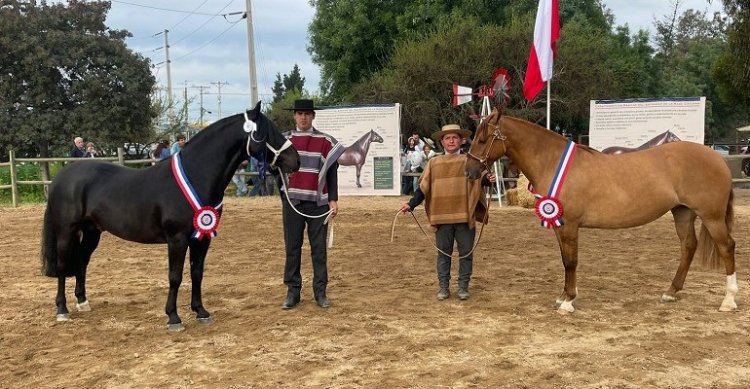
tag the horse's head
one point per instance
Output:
(375, 137)
(263, 134)
(488, 146)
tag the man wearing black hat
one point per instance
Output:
(310, 192)
(453, 204)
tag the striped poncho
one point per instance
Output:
(317, 152)
(450, 197)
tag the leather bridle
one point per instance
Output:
(496, 135)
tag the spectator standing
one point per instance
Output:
(90, 151)
(178, 145)
(239, 180)
(78, 150)
(161, 151)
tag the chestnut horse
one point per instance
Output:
(612, 191)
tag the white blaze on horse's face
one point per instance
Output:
(304, 119)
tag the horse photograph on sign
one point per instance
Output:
(356, 154)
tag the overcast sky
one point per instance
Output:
(207, 50)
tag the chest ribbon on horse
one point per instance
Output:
(205, 218)
(549, 208)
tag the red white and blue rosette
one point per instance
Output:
(550, 211)
(206, 222)
(549, 208)
(205, 217)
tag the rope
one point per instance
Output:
(476, 242)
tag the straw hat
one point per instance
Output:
(450, 129)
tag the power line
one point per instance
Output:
(166, 9)
(204, 23)
(193, 12)
(207, 43)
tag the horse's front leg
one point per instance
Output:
(359, 169)
(198, 250)
(567, 238)
(177, 250)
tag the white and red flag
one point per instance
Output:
(544, 48)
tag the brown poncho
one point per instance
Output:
(450, 197)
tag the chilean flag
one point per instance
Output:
(544, 48)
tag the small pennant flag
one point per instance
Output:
(461, 94)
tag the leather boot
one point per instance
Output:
(463, 291)
(291, 300)
(443, 292)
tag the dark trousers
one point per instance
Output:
(444, 237)
(294, 228)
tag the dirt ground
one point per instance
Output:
(385, 328)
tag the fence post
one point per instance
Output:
(121, 156)
(13, 179)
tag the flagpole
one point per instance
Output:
(548, 103)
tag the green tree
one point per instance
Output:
(64, 73)
(732, 70)
(688, 47)
(290, 82)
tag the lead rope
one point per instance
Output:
(327, 214)
(489, 196)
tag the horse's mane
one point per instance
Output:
(549, 133)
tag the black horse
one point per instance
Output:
(151, 205)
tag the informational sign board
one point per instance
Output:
(371, 164)
(634, 122)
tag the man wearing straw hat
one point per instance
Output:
(453, 204)
(307, 199)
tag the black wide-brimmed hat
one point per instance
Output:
(303, 105)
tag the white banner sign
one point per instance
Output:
(371, 164)
(633, 123)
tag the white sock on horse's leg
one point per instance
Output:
(728, 304)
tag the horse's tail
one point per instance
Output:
(49, 246)
(708, 252)
(50, 258)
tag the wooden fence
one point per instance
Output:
(734, 161)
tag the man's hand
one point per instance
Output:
(334, 206)
(405, 208)
(491, 177)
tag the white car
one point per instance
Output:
(721, 149)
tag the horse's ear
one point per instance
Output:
(254, 113)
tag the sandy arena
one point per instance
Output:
(385, 328)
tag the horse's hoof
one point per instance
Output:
(728, 307)
(205, 320)
(62, 317)
(665, 298)
(176, 327)
(566, 308)
(84, 306)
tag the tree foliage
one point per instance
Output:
(732, 70)
(64, 73)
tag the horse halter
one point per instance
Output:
(496, 135)
(251, 128)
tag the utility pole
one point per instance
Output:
(169, 77)
(201, 88)
(251, 54)
(185, 108)
(218, 99)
